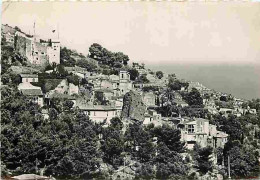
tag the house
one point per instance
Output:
(45, 113)
(197, 86)
(73, 89)
(226, 111)
(252, 111)
(79, 71)
(149, 98)
(56, 86)
(61, 86)
(99, 113)
(49, 98)
(153, 117)
(180, 103)
(151, 78)
(107, 93)
(34, 92)
(118, 103)
(201, 132)
(220, 139)
(29, 77)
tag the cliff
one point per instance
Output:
(133, 107)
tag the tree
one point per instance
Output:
(89, 65)
(17, 29)
(112, 145)
(202, 158)
(143, 79)
(145, 171)
(194, 98)
(95, 51)
(133, 74)
(170, 137)
(116, 123)
(66, 58)
(74, 79)
(66, 146)
(100, 98)
(159, 74)
(243, 163)
(169, 163)
(61, 72)
(67, 105)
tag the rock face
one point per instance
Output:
(133, 107)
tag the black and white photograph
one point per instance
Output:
(130, 90)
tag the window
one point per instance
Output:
(33, 80)
(42, 52)
(190, 128)
(94, 113)
(122, 75)
(26, 79)
(107, 113)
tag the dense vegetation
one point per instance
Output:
(69, 145)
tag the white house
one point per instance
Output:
(29, 77)
(99, 113)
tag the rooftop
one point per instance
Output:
(30, 177)
(29, 75)
(32, 92)
(61, 96)
(96, 107)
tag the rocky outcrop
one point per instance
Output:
(133, 107)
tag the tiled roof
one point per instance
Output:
(179, 102)
(29, 75)
(29, 177)
(96, 107)
(23, 69)
(32, 92)
(60, 96)
(51, 84)
(200, 119)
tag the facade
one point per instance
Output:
(60, 86)
(180, 103)
(125, 84)
(201, 132)
(34, 92)
(153, 117)
(73, 89)
(99, 113)
(29, 77)
(149, 98)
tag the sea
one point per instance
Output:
(242, 81)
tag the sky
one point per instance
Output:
(149, 32)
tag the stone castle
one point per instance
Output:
(36, 50)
